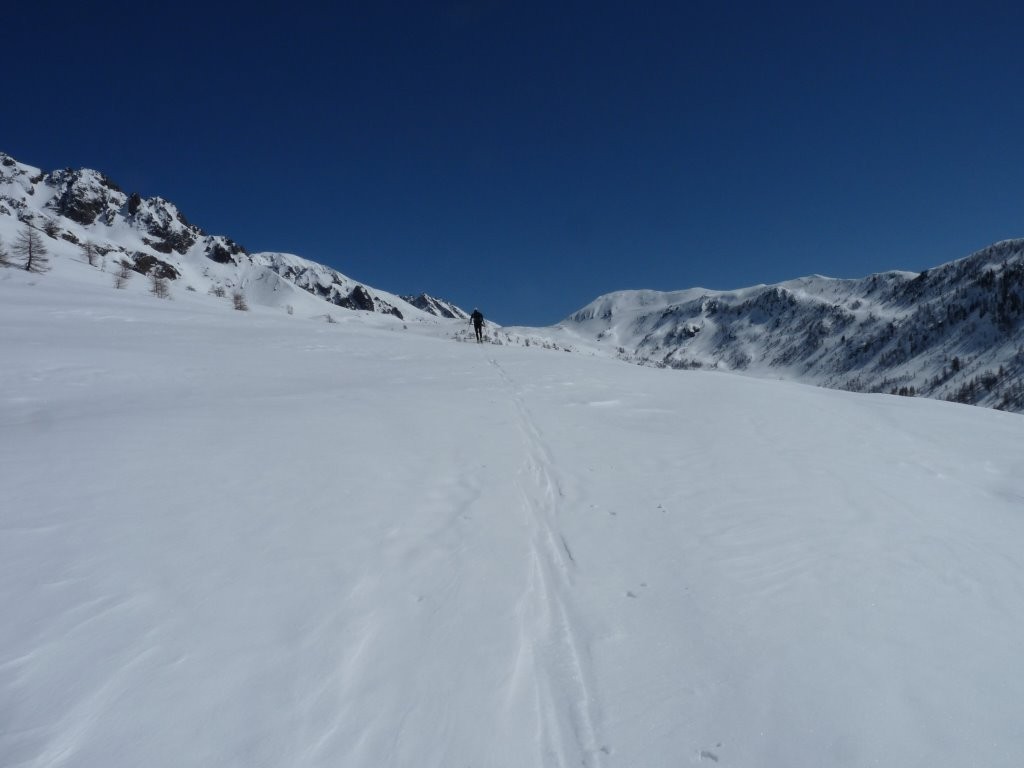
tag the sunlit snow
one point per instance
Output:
(258, 539)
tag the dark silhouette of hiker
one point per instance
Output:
(478, 325)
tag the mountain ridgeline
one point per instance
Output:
(151, 236)
(955, 332)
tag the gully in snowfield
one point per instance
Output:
(478, 324)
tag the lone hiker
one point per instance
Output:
(478, 324)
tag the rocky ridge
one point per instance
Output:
(955, 332)
(153, 237)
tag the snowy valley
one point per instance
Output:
(955, 332)
(260, 539)
(323, 532)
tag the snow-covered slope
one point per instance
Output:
(254, 539)
(75, 207)
(954, 332)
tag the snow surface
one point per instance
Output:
(253, 539)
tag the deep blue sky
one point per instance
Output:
(528, 157)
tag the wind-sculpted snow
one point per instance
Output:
(258, 539)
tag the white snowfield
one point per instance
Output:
(252, 539)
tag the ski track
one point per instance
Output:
(563, 682)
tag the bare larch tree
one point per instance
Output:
(29, 245)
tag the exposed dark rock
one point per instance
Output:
(145, 264)
(435, 306)
(79, 210)
(359, 298)
(162, 220)
(387, 309)
(180, 241)
(158, 245)
(83, 195)
(224, 250)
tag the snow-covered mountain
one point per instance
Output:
(75, 207)
(955, 332)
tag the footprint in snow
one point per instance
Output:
(707, 754)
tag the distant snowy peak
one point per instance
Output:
(621, 303)
(438, 307)
(152, 235)
(953, 332)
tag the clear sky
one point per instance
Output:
(527, 157)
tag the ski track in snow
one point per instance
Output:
(254, 540)
(566, 707)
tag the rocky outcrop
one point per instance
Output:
(154, 237)
(167, 228)
(224, 250)
(84, 195)
(147, 264)
(360, 298)
(437, 307)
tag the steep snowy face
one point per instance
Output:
(954, 332)
(153, 237)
